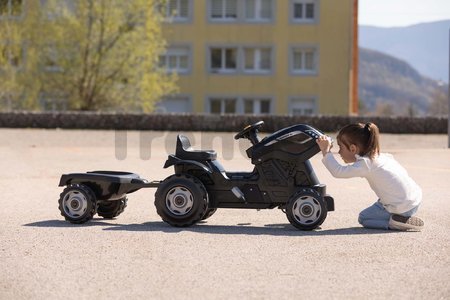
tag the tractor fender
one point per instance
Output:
(175, 161)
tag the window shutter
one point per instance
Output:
(172, 8)
(248, 106)
(266, 9)
(172, 62)
(231, 8)
(249, 58)
(298, 10)
(297, 59)
(230, 106)
(309, 59)
(265, 61)
(216, 58)
(184, 8)
(250, 9)
(264, 106)
(215, 106)
(216, 9)
(310, 11)
(230, 58)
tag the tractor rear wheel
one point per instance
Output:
(181, 200)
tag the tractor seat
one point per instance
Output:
(184, 150)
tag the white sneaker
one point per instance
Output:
(399, 222)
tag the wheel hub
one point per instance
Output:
(306, 210)
(179, 200)
(75, 204)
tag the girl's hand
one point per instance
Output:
(324, 143)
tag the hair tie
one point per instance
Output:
(367, 127)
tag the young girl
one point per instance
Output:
(399, 196)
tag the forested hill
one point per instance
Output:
(390, 85)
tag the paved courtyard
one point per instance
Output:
(236, 254)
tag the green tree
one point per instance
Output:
(95, 54)
(13, 65)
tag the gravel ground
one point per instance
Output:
(244, 254)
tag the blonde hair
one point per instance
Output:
(365, 136)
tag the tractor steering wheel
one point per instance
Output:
(250, 132)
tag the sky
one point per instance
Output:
(400, 13)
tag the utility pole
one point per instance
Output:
(448, 91)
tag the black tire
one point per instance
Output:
(306, 209)
(209, 212)
(181, 200)
(77, 203)
(111, 209)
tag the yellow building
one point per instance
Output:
(262, 56)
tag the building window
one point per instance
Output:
(304, 60)
(304, 11)
(175, 104)
(223, 10)
(258, 10)
(257, 106)
(177, 10)
(176, 59)
(11, 8)
(247, 60)
(223, 105)
(302, 106)
(257, 60)
(223, 60)
(240, 105)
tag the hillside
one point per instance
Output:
(424, 46)
(389, 83)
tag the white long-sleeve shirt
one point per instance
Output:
(396, 190)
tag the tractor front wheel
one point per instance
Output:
(306, 209)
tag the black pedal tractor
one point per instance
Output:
(282, 177)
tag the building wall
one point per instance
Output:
(331, 35)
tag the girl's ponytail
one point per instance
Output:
(373, 142)
(365, 136)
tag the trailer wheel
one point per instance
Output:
(306, 209)
(181, 200)
(111, 209)
(77, 203)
